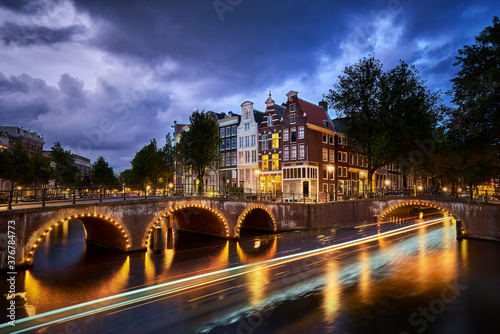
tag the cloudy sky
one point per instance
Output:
(105, 77)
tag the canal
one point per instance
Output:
(319, 281)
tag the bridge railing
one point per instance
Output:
(41, 196)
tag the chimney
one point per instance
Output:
(324, 105)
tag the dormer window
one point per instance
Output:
(326, 123)
(269, 120)
(292, 107)
(292, 119)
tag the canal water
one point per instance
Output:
(421, 282)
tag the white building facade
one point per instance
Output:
(248, 148)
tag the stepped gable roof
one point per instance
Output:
(280, 111)
(315, 114)
(258, 115)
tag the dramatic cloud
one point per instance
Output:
(105, 77)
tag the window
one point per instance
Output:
(292, 119)
(339, 172)
(228, 144)
(332, 174)
(341, 186)
(234, 158)
(265, 142)
(325, 138)
(269, 120)
(223, 145)
(340, 140)
(247, 156)
(332, 155)
(325, 173)
(286, 154)
(302, 153)
(276, 140)
(276, 161)
(228, 159)
(247, 141)
(325, 154)
(344, 156)
(223, 162)
(241, 141)
(294, 152)
(292, 107)
(301, 132)
(253, 140)
(247, 114)
(340, 156)
(247, 126)
(294, 135)
(331, 139)
(265, 162)
(240, 157)
(223, 132)
(254, 156)
(234, 130)
(325, 188)
(285, 135)
(234, 142)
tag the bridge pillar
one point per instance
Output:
(460, 230)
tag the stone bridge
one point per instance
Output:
(127, 225)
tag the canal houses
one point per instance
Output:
(228, 126)
(270, 153)
(308, 150)
(247, 133)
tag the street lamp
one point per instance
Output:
(387, 184)
(362, 175)
(170, 186)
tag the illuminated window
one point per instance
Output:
(265, 162)
(276, 161)
(344, 156)
(254, 156)
(234, 158)
(325, 154)
(285, 134)
(240, 157)
(332, 155)
(276, 140)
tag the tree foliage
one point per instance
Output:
(102, 173)
(474, 126)
(66, 172)
(199, 146)
(387, 112)
(16, 167)
(148, 165)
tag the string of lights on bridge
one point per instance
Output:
(47, 231)
(399, 205)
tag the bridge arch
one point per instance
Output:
(116, 235)
(260, 216)
(417, 202)
(220, 229)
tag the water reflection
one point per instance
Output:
(262, 249)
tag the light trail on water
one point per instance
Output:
(173, 288)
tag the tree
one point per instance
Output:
(168, 158)
(199, 146)
(16, 167)
(356, 96)
(412, 113)
(102, 173)
(148, 164)
(475, 124)
(65, 170)
(42, 170)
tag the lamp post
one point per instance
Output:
(387, 185)
(362, 175)
(170, 186)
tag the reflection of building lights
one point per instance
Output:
(256, 244)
